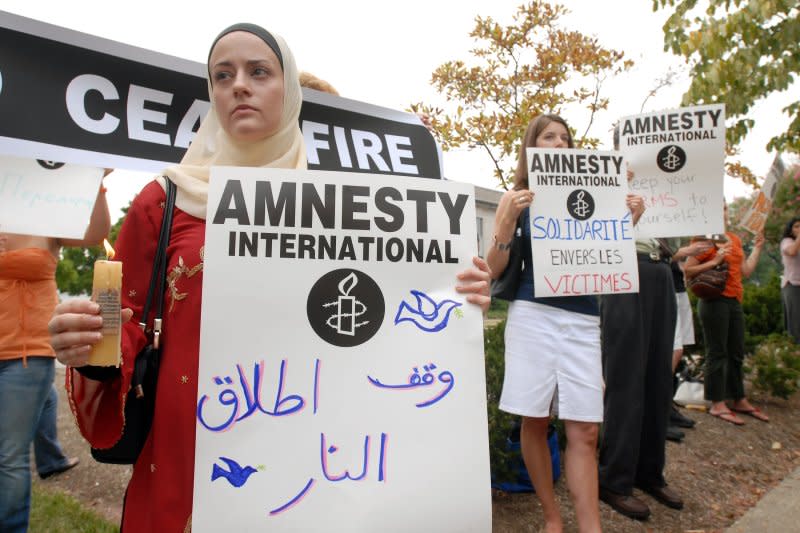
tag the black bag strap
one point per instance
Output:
(159, 275)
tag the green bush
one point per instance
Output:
(498, 309)
(763, 314)
(500, 422)
(775, 366)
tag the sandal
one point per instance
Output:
(728, 416)
(755, 412)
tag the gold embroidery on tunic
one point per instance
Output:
(175, 274)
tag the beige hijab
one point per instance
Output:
(212, 146)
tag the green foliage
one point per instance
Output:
(500, 422)
(763, 315)
(518, 72)
(498, 308)
(739, 51)
(785, 205)
(55, 512)
(775, 366)
(76, 267)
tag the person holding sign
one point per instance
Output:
(253, 122)
(29, 294)
(790, 282)
(552, 349)
(638, 333)
(723, 328)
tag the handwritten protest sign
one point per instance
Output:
(581, 230)
(677, 158)
(46, 198)
(755, 218)
(95, 101)
(341, 379)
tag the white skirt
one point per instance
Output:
(552, 352)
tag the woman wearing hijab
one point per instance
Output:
(253, 121)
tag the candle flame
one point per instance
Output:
(109, 250)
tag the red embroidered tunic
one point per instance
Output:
(159, 496)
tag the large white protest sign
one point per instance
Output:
(581, 230)
(677, 158)
(341, 379)
(46, 198)
(755, 218)
(98, 102)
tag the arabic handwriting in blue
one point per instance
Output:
(316, 385)
(236, 474)
(294, 501)
(251, 394)
(428, 315)
(326, 450)
(416, 381)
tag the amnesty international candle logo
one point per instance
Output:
(345, 307)
(671, 158)
(580, 204)
(49, 165)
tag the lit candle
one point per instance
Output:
(106, 289)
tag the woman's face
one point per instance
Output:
(554, 135)
(796, 229)
(246, 86)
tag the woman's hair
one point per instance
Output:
(535, 128)
(787, 231)
(312, 82)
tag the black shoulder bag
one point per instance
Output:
(505, 287)
(140, 400)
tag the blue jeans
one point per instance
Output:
(46, 448)
(23, 391)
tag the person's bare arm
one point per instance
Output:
(505, 223)
(99, 224)
(749, 265)
(792, 248)
(693, 267)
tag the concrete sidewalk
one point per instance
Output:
(777, 512)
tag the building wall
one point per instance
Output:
(486, 201)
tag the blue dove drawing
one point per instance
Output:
(428, 315)
(236, 475)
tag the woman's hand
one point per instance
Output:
(759, 240)
(75, 327)
(518, 201)
(475, 282)
(722, 251)
(635, 204)
(697, 248)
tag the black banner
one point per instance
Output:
(72, 97)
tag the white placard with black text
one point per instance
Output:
(341, 382)
(677, 158)
(581, 230)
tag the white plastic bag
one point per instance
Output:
(690, 393)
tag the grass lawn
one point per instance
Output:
(55, 512)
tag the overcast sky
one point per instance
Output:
(384, 53)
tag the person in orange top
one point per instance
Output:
(28, 296)
(723, 328)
